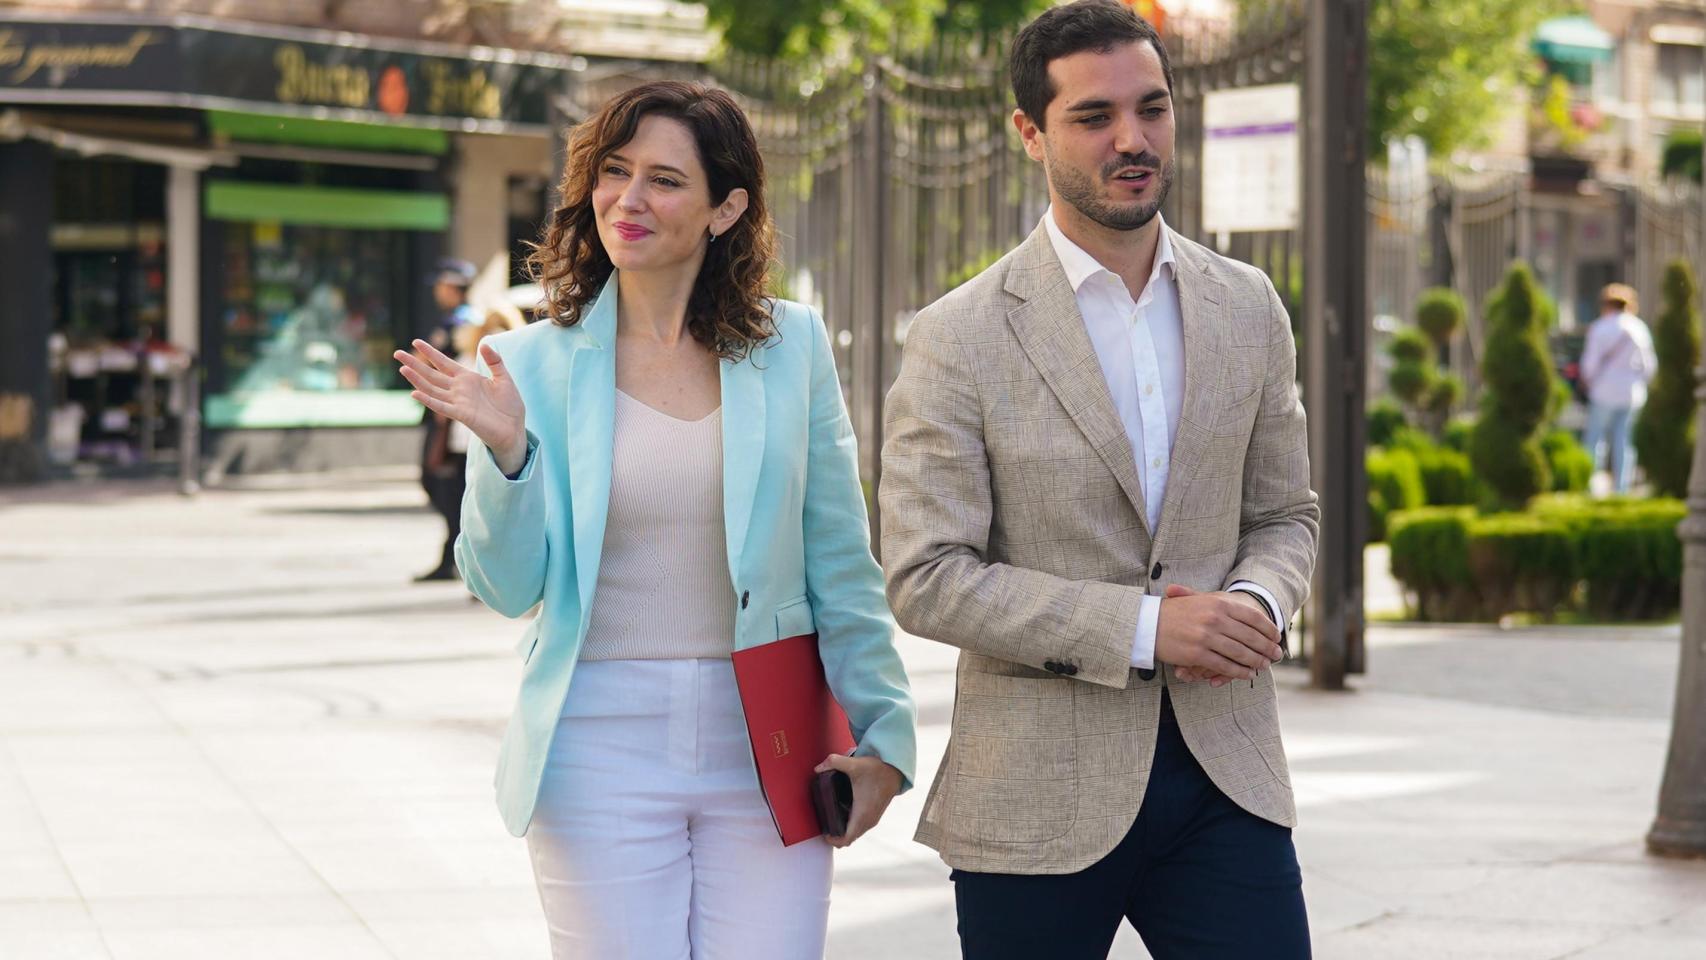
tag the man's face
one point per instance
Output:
(1108, 150)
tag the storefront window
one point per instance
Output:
(309, 316)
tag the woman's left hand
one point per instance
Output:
(875, 783)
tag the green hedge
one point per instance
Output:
(1447, 478)
(1520, 561)
(1628, 550)
(1430, 556)
(1412, 471)
(1609, 559)
(1394, 483)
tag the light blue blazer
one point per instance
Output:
(798, 538)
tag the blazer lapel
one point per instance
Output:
(1051, 332)
(591, 427)
(743, 450)
(1203, 317)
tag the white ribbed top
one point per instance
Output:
(664, 591)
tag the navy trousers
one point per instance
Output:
(1197, 876)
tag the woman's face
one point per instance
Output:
(652, 200)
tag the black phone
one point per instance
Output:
(832, 798)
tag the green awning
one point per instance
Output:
(1573, 40)
(311, 132)
(282, 409)
(327, 206)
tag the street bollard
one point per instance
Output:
(1680, 829)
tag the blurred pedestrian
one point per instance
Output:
(450, 285)
(500, 317)
(668, 469)
(442, 468)
(1617, 364)
(1096, 485)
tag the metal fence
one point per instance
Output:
(1266, 48)
(1667, 228)
(891, 179)
(1466, 229)
(896, 176)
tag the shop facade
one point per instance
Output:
(217, 233)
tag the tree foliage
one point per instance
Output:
(803, 29)
(1445, 70)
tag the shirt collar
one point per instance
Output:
(1080, 266)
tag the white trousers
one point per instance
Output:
(652, 841)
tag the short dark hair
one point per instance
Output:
(1098, 25)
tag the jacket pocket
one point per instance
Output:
(529, 641)
(794, 619)
(1015, 772)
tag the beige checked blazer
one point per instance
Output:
(1013, 528)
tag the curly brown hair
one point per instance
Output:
(729, 311)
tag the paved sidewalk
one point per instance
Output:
(230, 728)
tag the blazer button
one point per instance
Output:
(1051, 666)
(1145, 674)
(1069, 669)
(1155, 572)
(745, 595)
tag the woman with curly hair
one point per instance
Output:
(670, 474)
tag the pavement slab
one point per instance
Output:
(231, 727)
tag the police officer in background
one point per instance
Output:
(441, 466)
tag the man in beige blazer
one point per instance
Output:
(1096, 485)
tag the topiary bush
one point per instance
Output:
(1510, 464)
(1518, 396)
(1394, 483)
(1570, 463)
(1412, 373)
(1384, 417)
(1447, 478)
(1455, 436)
(1664, 433)
(1443, 396)
(1440, 314)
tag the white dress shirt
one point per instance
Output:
(1140, 345)
(1618, 361)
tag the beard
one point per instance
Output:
(1084, 193)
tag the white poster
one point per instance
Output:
(1250, 159)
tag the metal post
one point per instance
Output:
(146, 399)
(1680, 829)
(870, 320)
(189, 430)
(1334, 336)
(183, 316)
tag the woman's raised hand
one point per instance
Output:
(490, 407)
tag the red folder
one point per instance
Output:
(793, 722)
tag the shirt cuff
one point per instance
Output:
(526, 461)
(1279, 618)
(1143, 645)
